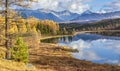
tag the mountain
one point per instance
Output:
(63, 15)
(87, 16)
(39, 15)
(48, 14)
(87, 12)
(90, 16)
(67, 16)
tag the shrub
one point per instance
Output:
(2, 52)
(20, 51)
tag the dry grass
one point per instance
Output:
(2, 52)
(51, 57)
(56, 58)
(8, 65)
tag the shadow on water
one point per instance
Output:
(58, 40)
(117, 34)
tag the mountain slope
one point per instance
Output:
(39, 15)
(89, 16)
(48, 14)
(64, 16)
(108, 24)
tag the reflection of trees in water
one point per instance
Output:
(66, 39)
(52, 40)
(119, 60)
(108, 33)
(57, 40)
(70, 38)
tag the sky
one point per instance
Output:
(78, 6)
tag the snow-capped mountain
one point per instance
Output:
(48, 14)
(90, 16)
(66, 15)
(87, 12)
(39, 15)
(87, 16)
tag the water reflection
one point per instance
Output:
(100, 50)
(59, 40)
(92, 47)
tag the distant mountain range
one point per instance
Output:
(67, 16)
(90, 16)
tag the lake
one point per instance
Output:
(92, 47)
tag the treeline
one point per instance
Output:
(110, 24)
(47, 27)
(30, 27)
(23, 26)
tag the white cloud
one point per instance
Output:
(87, 55)
(77, 6)
(113, 62)
(101, 11)
(73, 6)
(94, 50)
(112, 6)
(81, 45)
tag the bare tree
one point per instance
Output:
(6, 5)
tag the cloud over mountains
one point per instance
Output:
(77, 6)
(114, 5)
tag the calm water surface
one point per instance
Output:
(92, 47)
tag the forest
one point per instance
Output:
(107, 24)
(21, 30)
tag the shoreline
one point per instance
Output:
(81, 32)
(56, 36)
(59, 58)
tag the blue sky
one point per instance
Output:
(78, 6)
(97, 5)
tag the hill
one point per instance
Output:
(107, 24)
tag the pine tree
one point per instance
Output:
(20, 51)
(6, 10)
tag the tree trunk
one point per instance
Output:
(8, 54)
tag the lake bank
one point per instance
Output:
(56, 36)
(57, 58)
(52, 57)
(101, 32)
